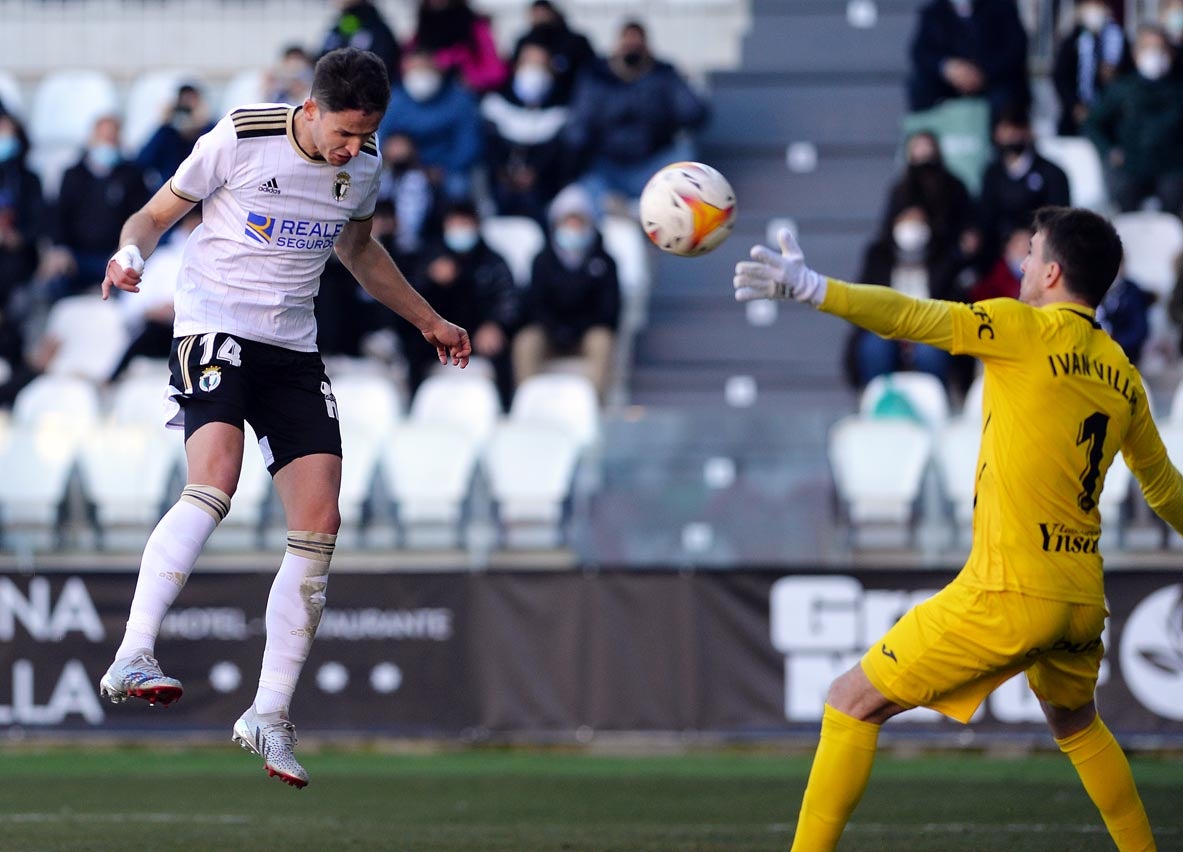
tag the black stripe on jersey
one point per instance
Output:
(370, 146)
(255, 133)
(259, 121)
(182, 195)
(248, 112)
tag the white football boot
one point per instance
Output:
(139, 676)
(273, 738)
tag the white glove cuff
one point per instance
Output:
(812, 289)
(129, 258)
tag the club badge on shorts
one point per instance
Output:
(341, 186)
(211, 377)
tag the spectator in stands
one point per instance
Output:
(573, 302)
(148, 315)
(628, 118)
(459, 39)
(1087, 60)
(361, 25)
(1175, 305)
(290, 81)
(1018, 182)
(22, 212)
(523, 142)
(1125, 315)
(14, 375)
(1003, 277)
(468, 278)
(908, 259)
(443, 119)
(969, 48)
(927, 183)
(185, 121)
(1137, 126)
(570, 51)
(410, 191)
(97, 195)
(1170, 16)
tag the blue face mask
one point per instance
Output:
(574, 240)
(104, 156)
(9, 146)
(461, 240)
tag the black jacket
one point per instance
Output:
(992, 38)
(91, 210)
(1008, 203)
(1066, 73)
(568, 302)
(484, 290)
(362, 26)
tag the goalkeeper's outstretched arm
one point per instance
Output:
(886, 312)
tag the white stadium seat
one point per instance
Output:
(531, 471)
(369, 403)
(627, 244)
(65, 401)
(925, 393)
(879, 467)
(1153, 242)
(241, 527)
(460, 401)
(140, 401)
(428, 469)
(11, 96)
(957, 449)
(148, 101)
(91, 334)
(126, 470)
(66, 105)
(972, 407)
(37, 461)
(245, 87)
(518, 239)
(1078, 157)
(561, 400)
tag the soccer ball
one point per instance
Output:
(687, 209)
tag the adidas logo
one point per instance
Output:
(271, 186)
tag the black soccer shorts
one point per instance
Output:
(284, 395)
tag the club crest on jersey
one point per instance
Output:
(341, 186)
(260, 228)
(211, 377)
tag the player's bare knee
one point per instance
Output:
(1064, 722)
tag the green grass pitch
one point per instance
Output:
(491, 800)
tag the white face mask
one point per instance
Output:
(422, 83)
(531, 83)
(1094, 17)
(911, 236)
(1153, 63)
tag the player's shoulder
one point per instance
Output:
(370, 145)
(256, 121)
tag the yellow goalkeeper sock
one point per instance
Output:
(839, 775)
(1106, 776)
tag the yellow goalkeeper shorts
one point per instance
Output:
(954, 649)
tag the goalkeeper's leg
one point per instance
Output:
(1105, 773)
(842, 764)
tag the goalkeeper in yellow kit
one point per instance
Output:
(1061, 399)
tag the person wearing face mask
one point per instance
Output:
(570, 51)
(905, 257)
(463, 275)
(573, 301)
(1087, 60)
(408, 187)
(523, 146)
(186, 120)
(22, 213)
(630, 116)
(97, 195)
(290, 81)
(443, 119)
(969, 48)
(1018, 182)
(1137, 127)
(461, 40)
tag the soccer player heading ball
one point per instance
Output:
(1061, 399)
(280, 187)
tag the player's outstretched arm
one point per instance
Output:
(372, 266)
(139, 237)
(888, 313)
(1159, 479)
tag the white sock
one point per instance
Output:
(293, 613)
(169, 555)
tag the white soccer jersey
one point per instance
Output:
(270, 217)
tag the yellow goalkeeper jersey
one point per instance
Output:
(1060, 400)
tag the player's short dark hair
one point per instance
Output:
(1085, 245)
(351, 79)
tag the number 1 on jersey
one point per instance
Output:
(1092, 432)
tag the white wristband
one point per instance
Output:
(129, 258)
